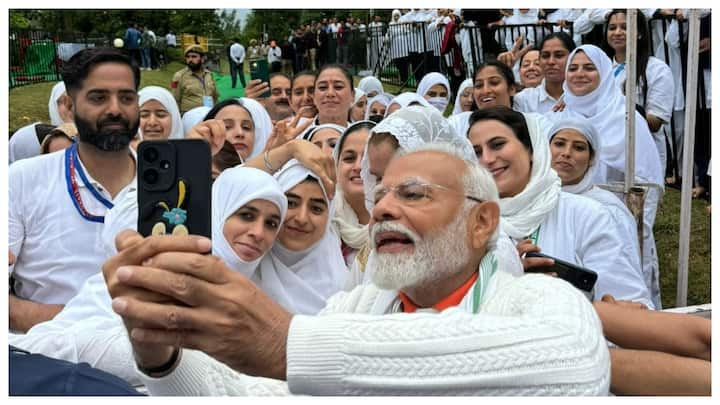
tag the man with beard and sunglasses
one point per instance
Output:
(444, 315)
(194, 85)
(57, 202)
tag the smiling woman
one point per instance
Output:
(247, 125)
(159, 114)
(305, 265)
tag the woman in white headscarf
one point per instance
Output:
(57, 105)
(371, 86)
(357, 110)
(574, 149)
(247, 125)
(351, 218)
(248, 209)
(24, 143)
(435, 88)
(595, 96)
(464, 98)
(159, 114)
(406, 99)
(324, 136)
(376, 107)
(305, 265)
(193, 117)
(538, 216)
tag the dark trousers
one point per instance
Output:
(237, 70)
(275, 67)
(418, 66)
(402, 66)
(702, 147)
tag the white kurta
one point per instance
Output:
(581, 231)
(532, 335)
(534, 100)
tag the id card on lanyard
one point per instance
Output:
(206, 100)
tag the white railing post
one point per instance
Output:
(688, 153)
(630, 95)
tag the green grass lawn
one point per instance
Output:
(29, 104)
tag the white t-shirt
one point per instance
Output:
(56, 248)
(274, 54)
(534, 99)
(237, 52)
(660, 91)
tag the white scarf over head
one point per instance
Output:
(430, 80)
(167, 100)
(605, 107)
(369, 84)
(413, 126)
(345, 221)
(310, 132)
(464, 85)
(57, 91)
(404, 99)
(261, 122)
(233, 189)
(193, 117)
(381, 98)
(24, 143)
(586, 128)
(302, 281)
(359, 93)
(521, 214)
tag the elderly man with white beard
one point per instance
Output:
(443, 316)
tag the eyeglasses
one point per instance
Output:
(412, 192)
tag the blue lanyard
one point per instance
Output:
(619, 69)
(72, 162)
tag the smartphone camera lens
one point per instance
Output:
(164, 165)
(151, 176)
(150, 155)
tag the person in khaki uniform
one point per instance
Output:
(194, 85)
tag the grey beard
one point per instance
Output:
(435, 258)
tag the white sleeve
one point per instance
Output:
(198, 374)
(16, 212)
(661, 90)
(601, 249)
(588, 19)
(521, 102)
(535, 336)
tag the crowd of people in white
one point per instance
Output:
(363, 243)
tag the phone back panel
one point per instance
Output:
(174, 187)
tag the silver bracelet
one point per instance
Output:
(266, 158)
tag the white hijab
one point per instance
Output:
(605, 107)
(233, 189)
(413, 126)
(521, 214)
(193, 117)
(404, 99)
(302, 281)
(262, 123)
(359, 93)
(345, 222)
(370, 83)
(430, 80)
(392, 18)
(310, 132)
(57, 91)
(165, 98)
(23, 144)
(585, 127)
(464, 85)
(382, 98)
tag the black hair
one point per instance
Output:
(219, 106)
(505, 71)
(523, 55)
(513, 119)
(226, 158)
(355, 126)
(642, 48)
(77, 69)
(276, 74)
(341, 68)
(302, 73)
(563, 37)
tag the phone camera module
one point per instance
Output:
(150, 155)
(151, 176)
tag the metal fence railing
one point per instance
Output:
(401, 54)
